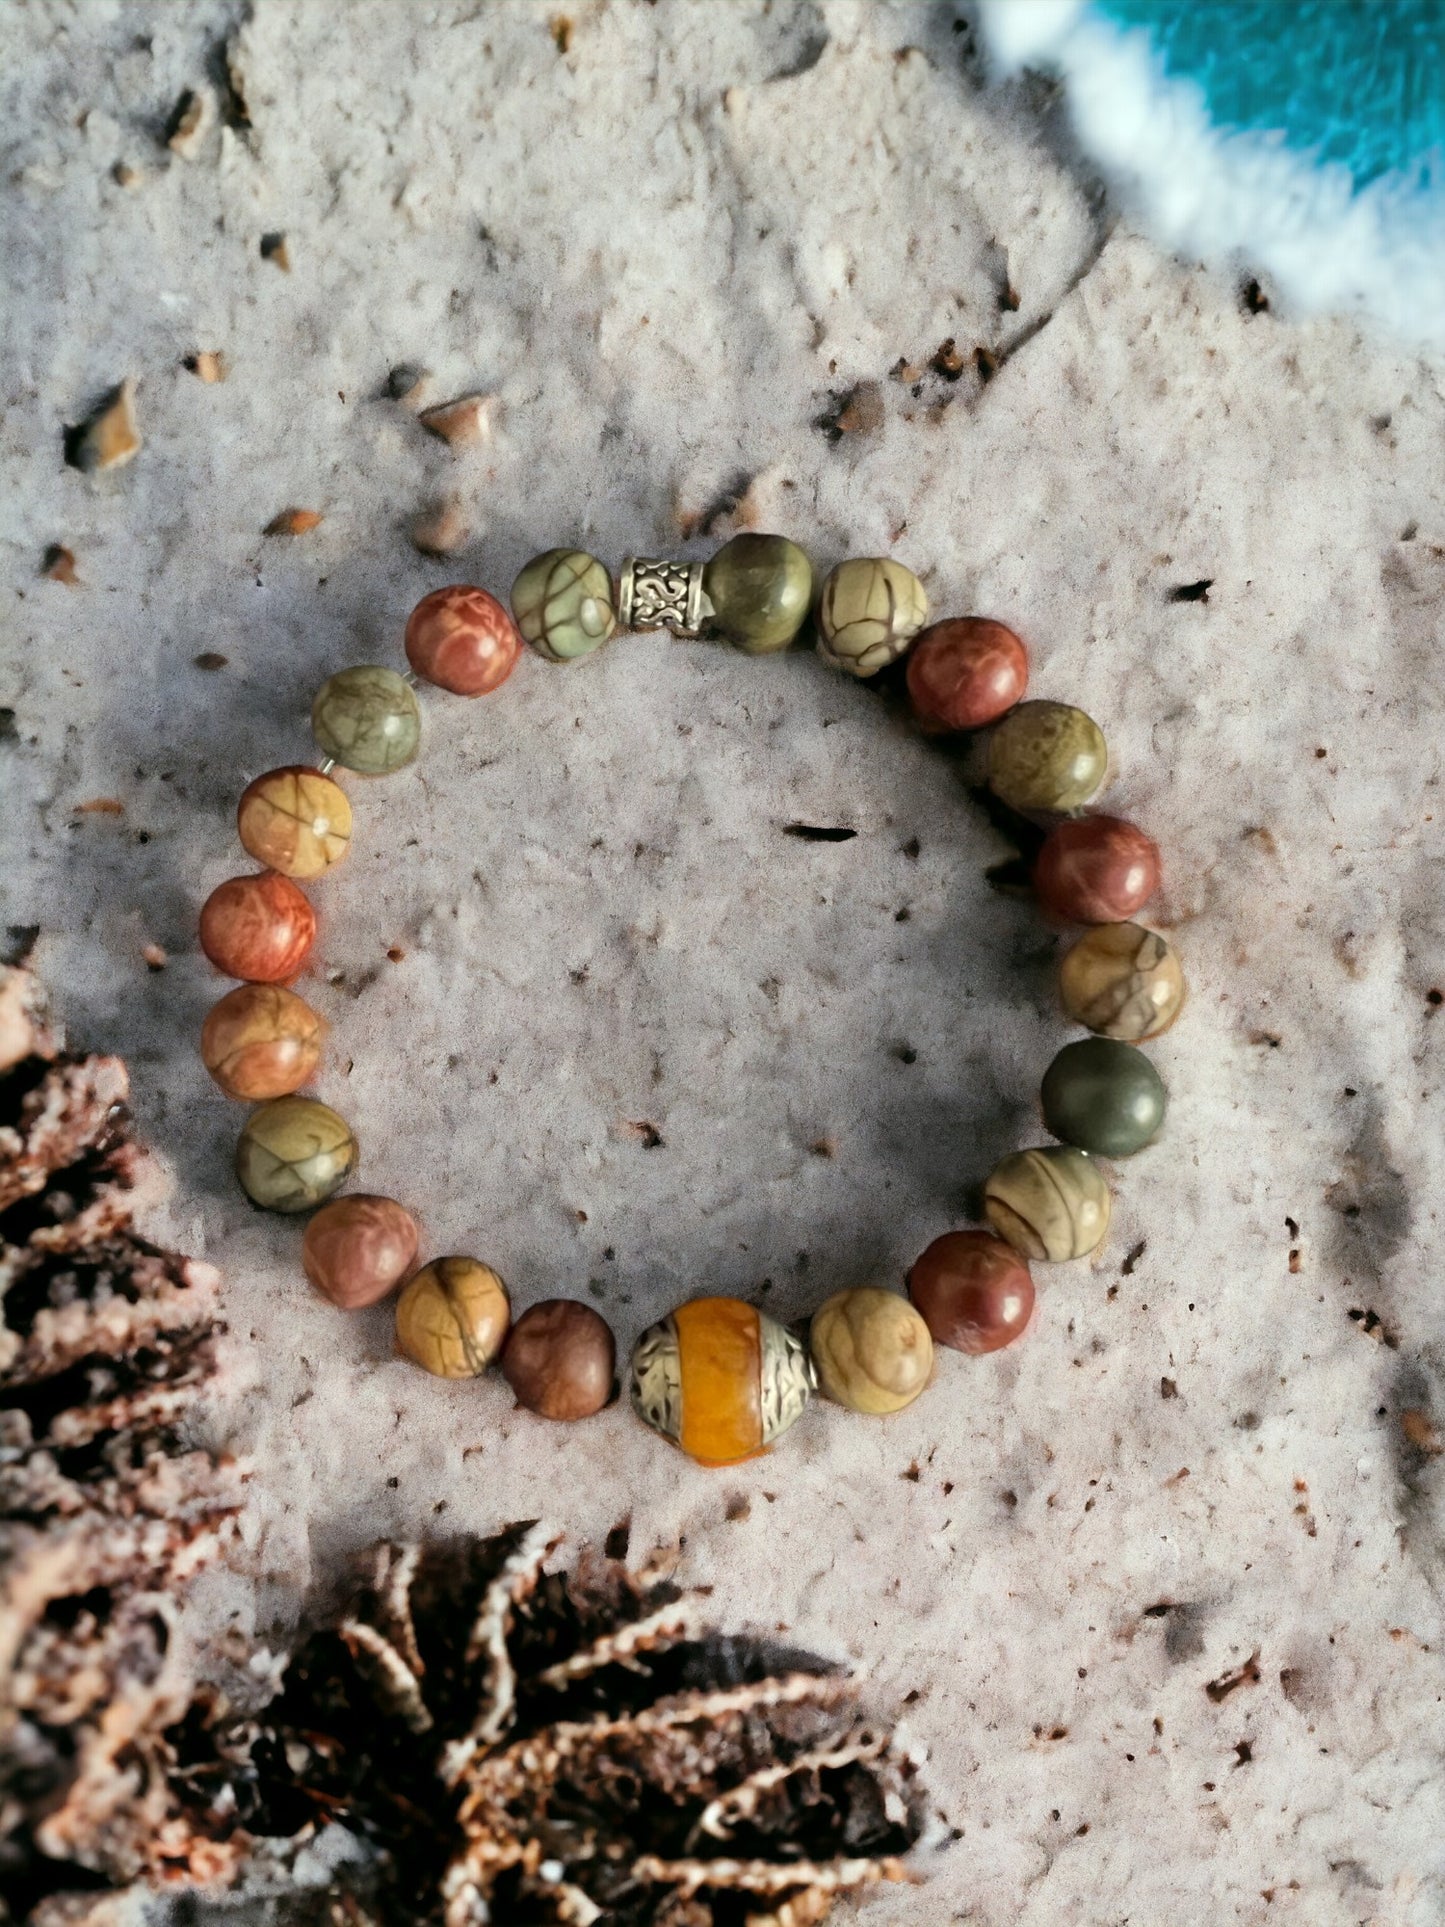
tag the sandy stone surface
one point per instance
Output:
(1162, 1584)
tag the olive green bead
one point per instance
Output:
(1046, 756)
(1103, 1096)
(368, 719)
(563, 604)
(1121, 980)
(293, 1154)
(870, 610)
(760, 587)
(1050, 1203)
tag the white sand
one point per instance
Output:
(664, 253)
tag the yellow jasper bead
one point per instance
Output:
(293, 1154)
(452, 1317)
(870, 610)
(1122, 981)
(719, 1379)
(871, 1349)
(1049, 1203)
(295, 820)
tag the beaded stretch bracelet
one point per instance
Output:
(716, 1377)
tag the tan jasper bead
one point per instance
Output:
(872, 1350)
(870, 610)
(452, 1318)
(295, 820)
(1050, 1203)
(1122, 981)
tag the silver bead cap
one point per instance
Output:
(657, 594)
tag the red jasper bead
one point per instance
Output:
(462, 639)
(1096, 869)
(258, 928)
(965, 673)
(973, 1291)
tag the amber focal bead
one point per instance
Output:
(965, 673)
(358, 1248)
(974, 1291)
(462, 639)
(293, 1153)
(260, 1041)
(719, 1379)
(1096, 869)
(295, 820)
(560, 1359)
(871, 1349)
(452, 1317)
(1046, 756)
(1121, 980)
(721, 1356)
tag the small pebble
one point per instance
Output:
(189, 122)
(59, 565)
(441, 529)
(410, 384)
(274, 250)
(154, 955)
(110, 437)
(207, 363)
(293, 522)
(468, 419)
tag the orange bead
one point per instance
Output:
(258, 928)
(462, 639)
(720, 1353)
(261, 1042)
(295, 820)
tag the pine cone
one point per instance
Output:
(535, 1747)
(106, 1346)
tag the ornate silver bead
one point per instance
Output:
(786, 1378)
(656, 594)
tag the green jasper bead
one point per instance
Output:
(368, 719)
(293, 1154)
(562, 601)
(1103, 1096)
(760, 587)
(1046, 756)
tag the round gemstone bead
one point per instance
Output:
(358, 1248)
(258, 928)
(719, 1379)
(871, 1350)
(965, 673)
(870, 610)
(260, 1041)
(295, 820)
(1046, 756)
(1050, 1203)
(974, 1291)
(760, 587)
(1104, 1096)
(452, 1317)
(563, 604)
(462, 639)
(367, 718)
(1096, 869)
(1122, 981)
(293, 1153)
(560, 1359)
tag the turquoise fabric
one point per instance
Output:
(1357, 82)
